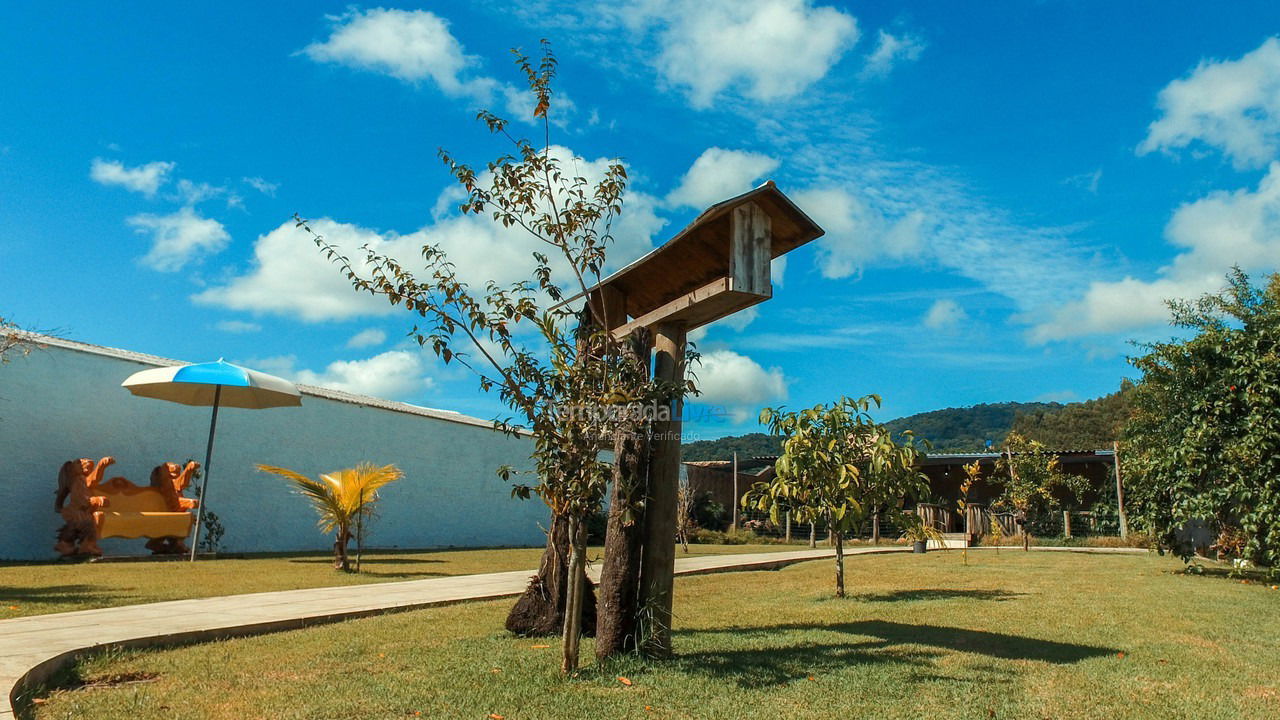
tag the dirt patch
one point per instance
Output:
(113, 680)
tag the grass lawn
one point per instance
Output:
(39, 588)
(1038, 635)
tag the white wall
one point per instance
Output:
(60, 403)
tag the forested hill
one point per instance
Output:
(950, 430)
(1089, 425)
(968, 428)
(749, 445)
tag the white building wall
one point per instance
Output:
(64, 401)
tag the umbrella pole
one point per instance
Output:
(204, 477)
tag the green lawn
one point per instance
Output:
(39, 588)
(1014, 635)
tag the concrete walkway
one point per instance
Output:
(33, 648)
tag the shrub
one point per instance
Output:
(709, 514)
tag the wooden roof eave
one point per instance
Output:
(649, 291)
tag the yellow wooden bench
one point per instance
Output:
(132, 511)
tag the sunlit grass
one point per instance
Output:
(39, 588)
(1018, 635)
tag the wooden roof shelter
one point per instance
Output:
(719, 264)
(716, 266)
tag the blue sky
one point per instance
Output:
(1010, 189)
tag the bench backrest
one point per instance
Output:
(124, 496)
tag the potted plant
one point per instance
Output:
(918, 533)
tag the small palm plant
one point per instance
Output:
(343, 499)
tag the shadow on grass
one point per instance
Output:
(77, 594)
(874, 642)
(402, 575)
(937, 594)
(765, 667)
(367, 561)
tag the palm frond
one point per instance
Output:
(339, 497)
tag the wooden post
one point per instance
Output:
(1066, 524)
(657, 564)
(813, 535)
(788, 526)
(875, 526)
(735, 491)
(1124, 520)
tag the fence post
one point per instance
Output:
(788, 526)
(735, 491)
(813, 535)
(1124, 520)
(1066, 524)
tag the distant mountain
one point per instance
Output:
(1089, 425)
(968, 429)
(750, 445)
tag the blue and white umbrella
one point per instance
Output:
(215, 384)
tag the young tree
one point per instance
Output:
(12, 341)
(580, 391)
(1028, 473)
(836, 465)
(1204, 443)
(972, 473)
(342, 499)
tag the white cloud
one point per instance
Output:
(262, 186)
(194, 193)
(367, 338)
(1215, 232)
(857, 233)
(1085, 181)
(891, 50)
(238, 326)
(945, 314)
(719, 174)
(410, 45)
(766, 50)
(145, 179)
(178, 238)
(738, 383)
(393, 374)
(290, 276)
(1232, 105)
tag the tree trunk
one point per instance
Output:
(1026, 536)
(813, 535)
(875, 526)
(617, 608)
(657, 562)
(340, 560)
(574, 593)
(838, 537)
(540, 610)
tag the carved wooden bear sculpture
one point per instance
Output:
(76, 503)
(170, 480)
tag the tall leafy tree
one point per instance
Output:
(1204, 443)
(539, 343)
(836, 465)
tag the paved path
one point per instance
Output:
(33, 648)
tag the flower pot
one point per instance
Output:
(918, 546)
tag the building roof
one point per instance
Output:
(312, 390)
